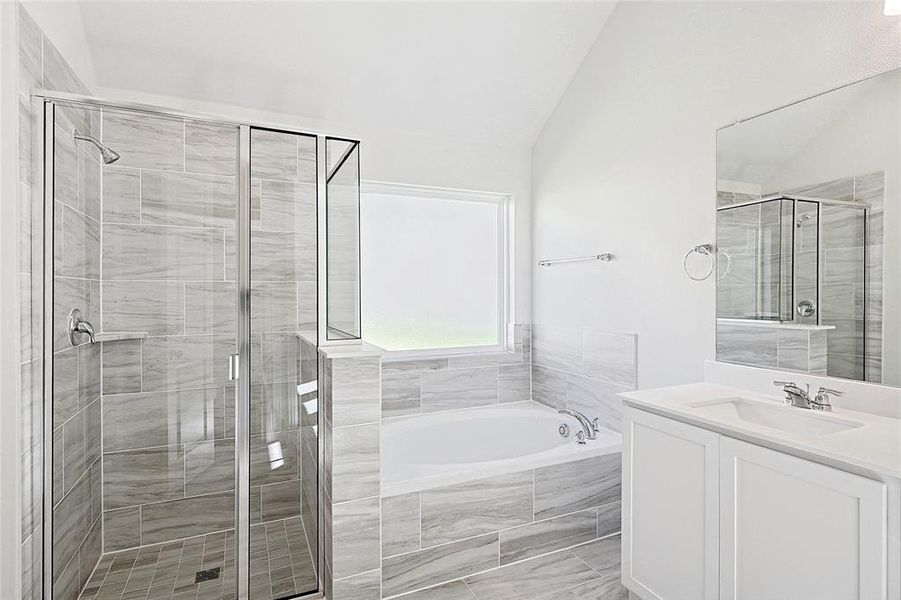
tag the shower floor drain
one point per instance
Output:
(206, 575)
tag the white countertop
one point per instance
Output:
(875, 446)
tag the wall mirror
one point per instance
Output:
(807, 233)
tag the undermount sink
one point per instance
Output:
(784, 418)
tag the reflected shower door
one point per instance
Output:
(843, 289)
(284, 446)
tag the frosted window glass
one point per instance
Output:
(430, 272)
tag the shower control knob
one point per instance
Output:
(806, 308)
(563, 430)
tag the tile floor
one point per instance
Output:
(281, 566)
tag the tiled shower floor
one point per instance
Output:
(281, 566)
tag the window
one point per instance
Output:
(434, 266)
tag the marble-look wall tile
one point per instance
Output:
(430, 364)
(71, 523)
(356, 531)
(605, 588)
(185, 362)
(746, 344)
(355, 463)
(610, 519)
(77, 244)
(366, 586)
(400, 524)
(548, 387)
(122, 528)
(139, 252)
(534, 539)
(211, 148)
(262, 470)
(476, 507)
(557, 347)
(280, 501)
(141, 476)
(188, 199)
(274, 306)
(425, 568)
(121, 195)
(210, 307)
(288, 206)
(151, 419)
(401, 393)
(144, 141)
(187, 517)
(541, 577)
(273, 155)
(121, 370)
(209, 467)
(463, 388)
(514, 383)
(281, 255)
(454, 590)
(596, 399)
(555, 495)
(157, 308)
(610, 357)
(356, 391)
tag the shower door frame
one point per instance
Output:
(43, 104)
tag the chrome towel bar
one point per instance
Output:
(606, 257)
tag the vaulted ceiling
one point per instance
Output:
(490, 71)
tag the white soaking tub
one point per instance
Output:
(432, 450)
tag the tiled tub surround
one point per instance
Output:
(40, 65)
(422, 386)
(501, 533)
(584, 370)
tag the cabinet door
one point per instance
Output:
(798, 530)
(670, 507)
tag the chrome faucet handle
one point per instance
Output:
(580, 438)
(595, 424)
(77, 325)
(821, 401)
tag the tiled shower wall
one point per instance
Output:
(40, 65)
(842, 302)
(168, 273)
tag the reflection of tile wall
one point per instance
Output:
(40, 65)
(772, 347)
(584, 369)
(842, 301)
(411, 387)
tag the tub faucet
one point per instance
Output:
(589, 428)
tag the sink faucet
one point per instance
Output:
(794, 395)
(589, 428)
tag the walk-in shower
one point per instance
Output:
(798, 261)
(182, 295)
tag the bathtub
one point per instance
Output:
(436, 450)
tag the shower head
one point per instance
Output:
(109, 156)
(805, 217)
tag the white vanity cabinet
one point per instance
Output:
(708, 516)
(791, 528)
(670, 507)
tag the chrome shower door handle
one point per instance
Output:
(76, 326)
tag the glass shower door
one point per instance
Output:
(143, 322)
(284, 445)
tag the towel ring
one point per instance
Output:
(710, 251)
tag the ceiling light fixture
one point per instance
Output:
(892, 8)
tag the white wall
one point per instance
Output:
(626, 163)
(397, 156)
(10, 452)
